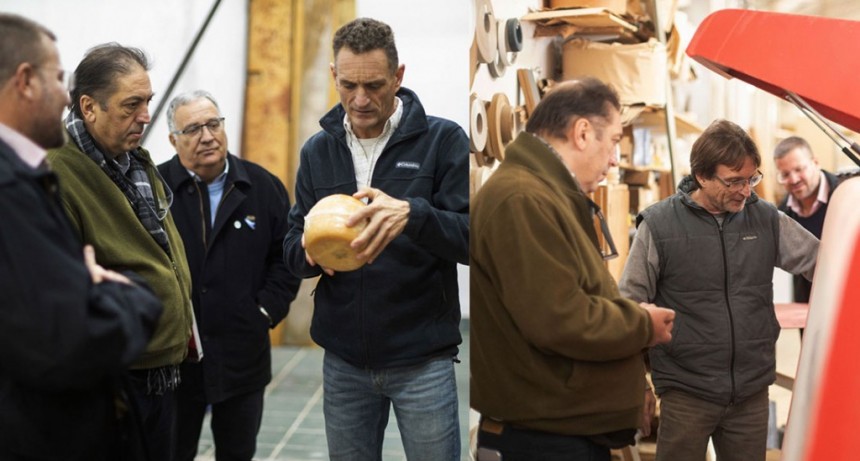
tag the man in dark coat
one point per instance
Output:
(69, 326)
(808, 189)
(232, 215)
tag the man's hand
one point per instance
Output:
(662, 320)
(98, 273)
(648, 412)
(328, 271)
(387, 218)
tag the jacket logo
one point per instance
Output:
(409, 165)
(749, 237)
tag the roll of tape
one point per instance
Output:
(486, 37)
(506, 124)
(514, 35)
(495, 143)
(504, 59)
(477, 124)
(497, 67)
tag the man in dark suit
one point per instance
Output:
(808, 189)
(69, 326)
(232, 215)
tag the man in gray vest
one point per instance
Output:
(709, 253)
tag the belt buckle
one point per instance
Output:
(492, 426)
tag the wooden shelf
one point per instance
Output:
(579, 21)
(655, 119)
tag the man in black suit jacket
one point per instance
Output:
(808, 190)
(69, 326)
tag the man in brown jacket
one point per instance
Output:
(557, 367)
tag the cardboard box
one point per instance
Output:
(615, 6)
(638, 72)
(637, 177)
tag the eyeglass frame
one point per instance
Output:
(197, 129)
(794, 171)
(738, 184)
(604, 229)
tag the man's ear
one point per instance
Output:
(172, 138)
(398, 75)
(333, 72)
(88, 106)
(23, 77)
(579, 132)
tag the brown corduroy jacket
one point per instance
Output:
(554, 346)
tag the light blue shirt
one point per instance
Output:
(216, 191)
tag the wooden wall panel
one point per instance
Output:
(289, 51)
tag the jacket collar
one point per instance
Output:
(412, 123)
(177, 175)
(531, 152)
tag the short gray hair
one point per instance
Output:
(187, 98)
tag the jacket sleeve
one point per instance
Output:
(798, 248)
(443, 226)
(642, 268)
(550, 293)
(294, 254)
(59, 331)
(280, 286)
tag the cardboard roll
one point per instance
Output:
(484, 159)
(500, 117)
(477, 124)
(486, 35)
(497, 67)
(507, 124)
(327, 236)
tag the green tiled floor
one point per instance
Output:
(293, 427)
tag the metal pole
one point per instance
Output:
(181, 69)
(669, 110)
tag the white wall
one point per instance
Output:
(164, 29)
(433, 40)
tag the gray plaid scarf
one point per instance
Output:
(134, 184)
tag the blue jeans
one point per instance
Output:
(357, 402)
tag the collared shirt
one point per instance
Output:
(28, 151)
(823, 194)
(365, 152)
(216, 190)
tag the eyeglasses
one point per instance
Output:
(736, 185)
(607, 253)
(783, 176)
(214, 125)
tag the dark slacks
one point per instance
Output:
(157, 416)
(506, 443)
(235, 421)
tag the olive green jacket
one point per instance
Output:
(104, 218)
(554, 346)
